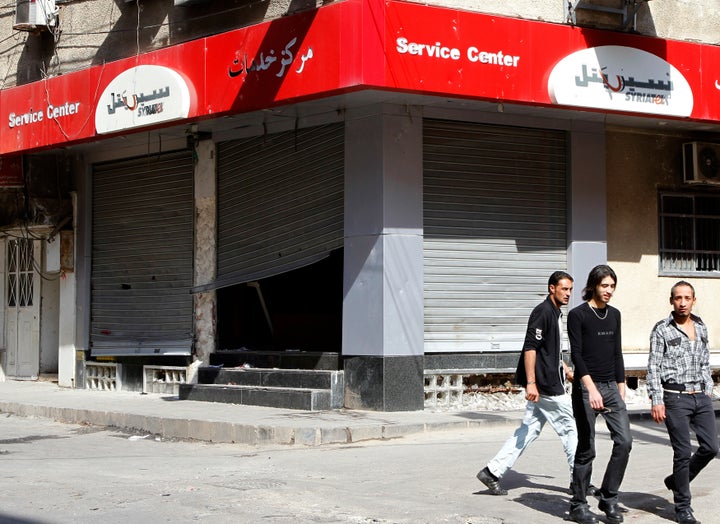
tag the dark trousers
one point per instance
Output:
(618, 423)
(681, 413)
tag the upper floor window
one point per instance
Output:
(689, 233)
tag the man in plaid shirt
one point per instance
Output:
(680, 386)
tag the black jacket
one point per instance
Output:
(543, 336)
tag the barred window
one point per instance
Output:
(689, 233)
(20, 272)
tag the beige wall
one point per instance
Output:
(638, 164)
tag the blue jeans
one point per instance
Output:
(557, 410)
(682, 412)
(618, 423)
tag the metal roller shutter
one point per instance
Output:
(495, 228)
(142, 256)
(280, 202)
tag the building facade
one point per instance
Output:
(388, 181)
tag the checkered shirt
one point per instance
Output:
(675, 358)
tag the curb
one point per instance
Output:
(221, 431)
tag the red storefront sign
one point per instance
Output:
(368, 44)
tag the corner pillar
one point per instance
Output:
(383, 278)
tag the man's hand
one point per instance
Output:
(658, 413)
(595, 398)
(569, 373)
(532, 393)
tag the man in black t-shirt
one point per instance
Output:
(542, 372)
(599, 388)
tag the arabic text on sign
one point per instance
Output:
(263, 62)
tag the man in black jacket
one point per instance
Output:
(542, 372)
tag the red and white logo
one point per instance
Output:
(622, 79)
(142, 96)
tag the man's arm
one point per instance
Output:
(531, 390)
(653, 378)
(705, 364)
(569, 374)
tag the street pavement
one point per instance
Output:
(153, 458)
(56, 473)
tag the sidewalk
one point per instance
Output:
(169, 417)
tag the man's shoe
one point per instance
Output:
(669, 482)
(685, 516)
(612, 511)
(592, 491)
(582, 515)
(491, 481)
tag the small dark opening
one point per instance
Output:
(302, 310)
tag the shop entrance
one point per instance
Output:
(297, 310)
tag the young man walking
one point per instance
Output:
(599, 388)
(680, 386)
(542, 372)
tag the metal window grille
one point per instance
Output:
(20, 272)
(689, 233)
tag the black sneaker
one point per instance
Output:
(491, 481)
(685, 516)
(669, 482)
(582, 515)
(592, 491)
(612, 511)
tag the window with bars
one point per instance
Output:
(689, 233)
(20, 272)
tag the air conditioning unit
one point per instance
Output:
(34, 14)
(701, 161)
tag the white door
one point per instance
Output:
(22, 314)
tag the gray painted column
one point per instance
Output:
(205, 254)
(587, 232)
(383, 277)
(67, 311)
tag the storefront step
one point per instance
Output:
(287, 398)
(287, 378)
(288, 359)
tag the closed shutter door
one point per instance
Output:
(494, 230)
(142, 256)
(280, 202)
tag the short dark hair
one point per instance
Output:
(597, 274)
(557, 277)
(681, 283)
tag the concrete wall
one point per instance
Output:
(98, 31)
(638, 164)
(680, 20)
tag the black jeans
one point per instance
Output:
(682, 412)
(618, 423)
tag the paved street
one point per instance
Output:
(62, 473)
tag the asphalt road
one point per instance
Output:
(60, 473)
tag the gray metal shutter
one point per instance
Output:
(280, 202)
(495, 228)
(142, 256)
